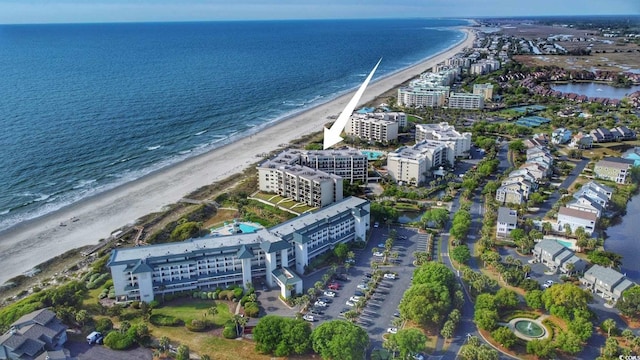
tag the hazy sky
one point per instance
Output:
(45, 11)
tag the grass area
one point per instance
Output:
(406, 207)
(282, 202)
(189, 309)
(265, 215)
(222, 216)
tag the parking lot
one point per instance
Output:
(377, 315)
(84, 351)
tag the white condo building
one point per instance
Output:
(447, 133)
(486, 90)
(423, 96)
(348, 164)
(376, 127)
(413, 164)
(141, 273)
(303, 184)
(466, 101)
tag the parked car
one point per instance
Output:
(392, 330)
(315, 311)
(354, 298)
(390, 276)
(363, 287)
(396, 313)
(320, 303)
(329, 293)
(376, 224)
(325, 300)
(309, 318)
(378, 254)
(342, 277)
(334, 286)
(350, 261)
(350, 303)
(95, 338)
(368, 275)
(358, 293)
(381, 245)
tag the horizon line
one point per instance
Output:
(466, 18)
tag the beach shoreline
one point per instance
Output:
(33, 242)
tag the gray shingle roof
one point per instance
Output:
(507, 216)
(607, 275)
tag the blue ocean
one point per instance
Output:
(87, 107)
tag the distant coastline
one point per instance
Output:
(98, 216)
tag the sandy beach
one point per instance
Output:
(85, 223)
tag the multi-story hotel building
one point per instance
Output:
(372, 129)
(300, 183)
(446, 133)
(413, 164)
(141, 273)
(423, 96)
(486, 90)
(348, 164)
(466, 101)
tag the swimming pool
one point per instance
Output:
(247, 229)
(372, 155)
(569, 244)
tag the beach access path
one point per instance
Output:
(86, 222)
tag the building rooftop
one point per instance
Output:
(607, 276)
(616, 163)
(507, 216)
(577, 214)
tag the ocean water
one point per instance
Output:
(87, 107)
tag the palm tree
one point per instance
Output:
(318, 285)
(213, 310)
(243, 322)
(312, 293)
(546, 227)
(164, 343)
(236, 320)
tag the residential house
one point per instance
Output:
(623, 133)
(614, 169)
(538, 171)
(507, 221)
(526, 186)
(557, 257)
(584, 203)
(575, 219)
(35, 336)
(595, 192)
(581, 141)
(510, 194)
(602, 135)
(606, 282)
(560, 136)
(524, 173)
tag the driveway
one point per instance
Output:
(84, 351)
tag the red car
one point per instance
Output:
(334, 286)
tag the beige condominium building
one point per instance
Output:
(445, 132)
(412, 165)
(485, 90)
(423, 96)
(466, 101)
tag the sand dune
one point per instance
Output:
(36, 241)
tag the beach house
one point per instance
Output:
(575, 219)
(507, 221)
(557, 257)
(613, 169)
(605, 282)
(595, 192)
(38, 335)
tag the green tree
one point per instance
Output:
(341, 250)
(609, 326)
(426, 304)
(569, 342)
(438, 216)
(164, 343)
(504, 336)
(629, 303)
(506, 299)
(517, 235)
(338, 339)
(561, 299)
(448, 329)
(486, 319)
(461, 254)
(282, 336)
(544, 349)
(410, 341)
(434, 272)
(534, 299)
(517, 146)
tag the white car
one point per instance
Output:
(320, 303)
(392, 330)
(354, 298)
(350, 303)
(378, 254)
(329, 293)
(390, 276)
(309, 318)
(363, 287)
(375, 225)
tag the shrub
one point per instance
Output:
(117, 341)
(211, 295)
(135, 304)
(229, 331)
(196, 294)
(203, 296)
(104, 325)
(237, 292)
(252, 309)
(197, 325)
(154, 304)
(164, 320)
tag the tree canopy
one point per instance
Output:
(409, 341)
(339, 339)
(426, 303)
(629, 303)
(282, 336)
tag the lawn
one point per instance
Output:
(222, 216)
(190, 309)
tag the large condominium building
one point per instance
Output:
(413, 164)
(141, 273)
(444, 77)
(423, 97)
(447, 133)
(486, 90)
(466, 101)
(348, 164)
(300, 183)
(372, 129)
(484, 66)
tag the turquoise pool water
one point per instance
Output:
(565, 243)
(372, 155)
(247, 229)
